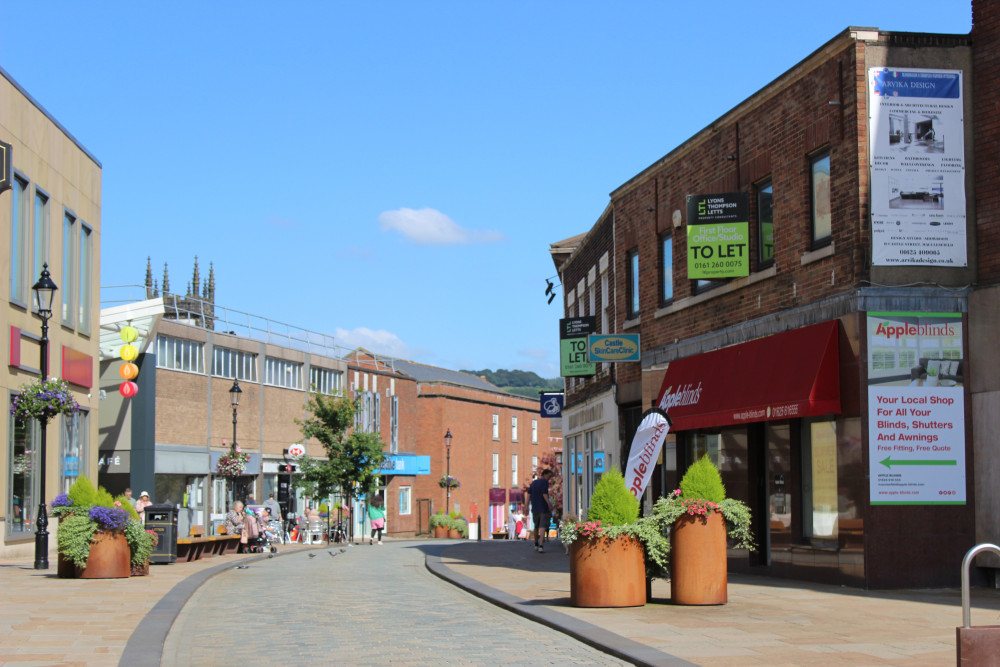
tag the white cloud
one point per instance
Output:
(380, 341)
(534, 353)
(428, 226)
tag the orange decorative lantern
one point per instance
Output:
(128, 371)
(128, 352)
(128, 389)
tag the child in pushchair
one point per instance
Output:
(256, 533)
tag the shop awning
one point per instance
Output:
(785, 376)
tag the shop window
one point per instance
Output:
(74, 444)
(633, 283)
(765, 225)
(819, 482)
(22, 480)
(666, 269)
(821, 213)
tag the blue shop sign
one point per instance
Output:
(406, 464)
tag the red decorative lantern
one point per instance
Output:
(128, 371)
(128, 389)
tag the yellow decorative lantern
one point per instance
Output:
(129, 334)
(128, 352)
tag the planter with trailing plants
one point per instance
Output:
(458, 528)
(440, 523)
(100, 537)
(701, 520)
(606, 556)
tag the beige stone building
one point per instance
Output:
(50, 213)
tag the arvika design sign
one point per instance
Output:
(614, 347)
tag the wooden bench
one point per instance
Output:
(198, 545)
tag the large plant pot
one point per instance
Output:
(607, 573)
(454, 534)
(698, 560)
(109, 557)
(440, 531)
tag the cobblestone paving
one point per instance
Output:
(368, 605)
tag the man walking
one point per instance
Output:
(541, 507)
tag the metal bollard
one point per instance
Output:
(976, 646)
(479, 529)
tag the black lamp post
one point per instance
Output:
(234, 398)
(44, 290)
(447, 449)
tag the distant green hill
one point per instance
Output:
(522, 383)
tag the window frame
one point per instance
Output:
(234, 364)
(496, 426)
(39, 234)
(69, 268)
(276, 368)
(407, 508)
(632, 303)
(764, 187)
(326, 381)
(496, 469)
(513, 428)
(666, 277)
(817, 158)
(84, 284)
(513, 471)
(166, 354)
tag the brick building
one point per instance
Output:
(50, 214)
(794, 269)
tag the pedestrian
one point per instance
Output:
(129, 498)
(541, 507)
(376, 512)
(273, 507)
(512, 525)
(234, 519)
(142, 504)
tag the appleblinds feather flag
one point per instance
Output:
(645, 450)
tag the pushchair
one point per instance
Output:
(255, 536)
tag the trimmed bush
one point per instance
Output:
(702, 480)
(612, 504)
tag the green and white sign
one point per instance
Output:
(573, 334)
(718, 236)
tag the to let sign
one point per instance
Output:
(573, 334)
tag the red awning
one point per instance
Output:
(784, 376)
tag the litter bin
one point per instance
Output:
(162, 519)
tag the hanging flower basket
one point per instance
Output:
(233, 463)
(448, 482)
(43, 400)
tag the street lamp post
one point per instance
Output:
(447, 449)
(44, 290)
(234, 398)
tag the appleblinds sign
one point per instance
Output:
(917, 159)
(916, 409)
(645, 451)
(718, 236)
(573, 334)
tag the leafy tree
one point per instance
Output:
(353, 458)
(552, 460)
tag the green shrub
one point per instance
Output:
(612, 504)
(702, 480)
(127, 506)
(73, 538)
(440, 519)
(83, 493)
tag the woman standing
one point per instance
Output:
(142, 504)
(376, 512)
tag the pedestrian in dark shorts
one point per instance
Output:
(541, 507)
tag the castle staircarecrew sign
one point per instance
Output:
(718, 236)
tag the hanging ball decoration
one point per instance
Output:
(128, 389)
(128, 371)
(129, 334)
(128, 352)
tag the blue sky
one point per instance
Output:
(393, 173)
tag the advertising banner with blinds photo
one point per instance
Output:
(917, 155)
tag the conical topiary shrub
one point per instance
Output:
(702, 480)
(612, 504)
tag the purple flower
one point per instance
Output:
(62, 500)
(109, 518)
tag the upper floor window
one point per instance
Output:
(325, 381)
(667, 269)
(496, 427)
(513, 470)
(819, 182)
(40, 234)
(513, 429)
(534, 431)
(85, 261)
(69, 268)
(633, 283)
(19, 242)
(765, 225)
(228, 363)
(282, 373)
(179, 355)
(496, 469)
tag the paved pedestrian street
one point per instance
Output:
(367, 605)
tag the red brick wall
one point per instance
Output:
(986, 74)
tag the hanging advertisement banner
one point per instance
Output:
(917, 149)
(645, 451)
(916, 409)
(551, 404)
(718, 235)
(573, 334)
(613, 348)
